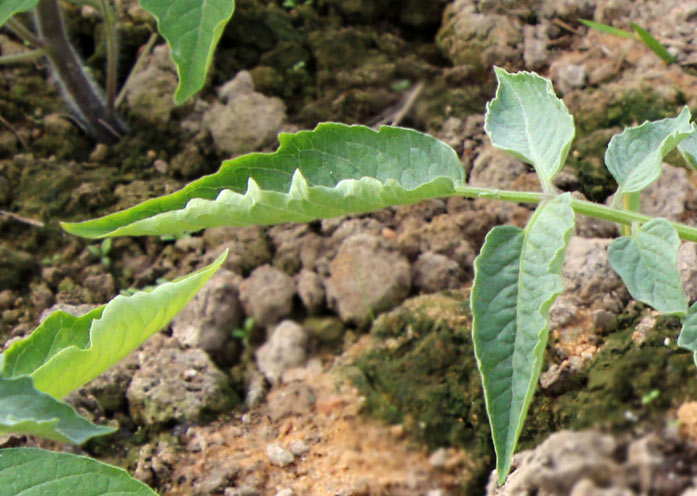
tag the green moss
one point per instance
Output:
(424, 376)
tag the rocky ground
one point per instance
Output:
(334, 358)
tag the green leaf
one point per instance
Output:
(634, 156)
(527, 120)
(24, 410)
(66, 352)
(8, 8)
(655, 46)
(688, 150)
(192, 29)
(331, 171)
(687, 338)
(647, 262)
(517, 278)
(608, 29)
(35, 472)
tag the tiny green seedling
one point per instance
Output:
(101, 251)
(244, 333)
(338, 169)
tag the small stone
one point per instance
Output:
(285, 492)
(267, 295)
(439, 458)
(285, 348)
(434, 272)
(311, 290)
(299, 447)
(279, 456)
(367, 277)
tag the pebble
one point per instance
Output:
(279, 456)
(299, 447)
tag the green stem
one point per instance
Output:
(28, 56)
(583, 207)
(111, 53)
(22, 32)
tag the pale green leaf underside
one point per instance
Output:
(66, 352)
(634, 156)
(688, 150)
(647, 263)
(35, 472)
(687, 338)
(24, 410)
(517, 278)
(192, 29)
(527, 120)
(334, 170)
(8, 8)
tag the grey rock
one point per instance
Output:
(149, 92)
(687, 265)
(293, 399)
(218, 476)
(285, 348)
(75, 310)
(267, 295)
(311, 290)
(366, 277)
(568, 77)
(666, 197)
(247, 120)
(470, 35)
(279, 456)
(248, 247)
(557, 377)
(559, 463)
(434, 272)
(207, 320)
(535, 52)
(495, 168)
(174, 384)
(297, 246)
(587, 272)
(298, 447)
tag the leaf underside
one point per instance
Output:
(8, 8)
(192, 29)
(634, 156)
(687, 338)
(647, 263)
(334, 170)
(24, 410)
(527, 120)
(66, 352)
(35, 472)
(517, 278)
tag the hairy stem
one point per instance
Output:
(625, 217)
(79, 89)
(112, 53)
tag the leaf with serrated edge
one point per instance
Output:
(8, 8)
(647, 262)
(517, 278)
(527, 120)
(105, 335)
(35, 472)
(334, 170)
(192, 29)
(634, 156)
(24, 410)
